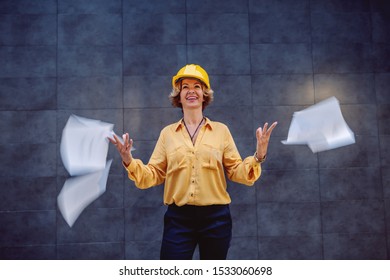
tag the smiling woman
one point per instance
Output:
(192, 157)
(196, 73)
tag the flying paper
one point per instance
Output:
(84, 148)
(84, 145)
(321, 127)
(78, 192)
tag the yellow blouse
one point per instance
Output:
(194, 174)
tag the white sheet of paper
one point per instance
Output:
(78, 192)
(84, 145)
(84, 148)
(321, 127)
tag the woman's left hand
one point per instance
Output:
(263, 135)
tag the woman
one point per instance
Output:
(192, 156)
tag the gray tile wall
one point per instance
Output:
(113, 60)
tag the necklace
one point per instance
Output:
(193, 135)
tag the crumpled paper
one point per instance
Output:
(321, 127)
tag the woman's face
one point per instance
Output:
(191, 94)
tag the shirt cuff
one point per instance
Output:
(130, 166)
(254, 161)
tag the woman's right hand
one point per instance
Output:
(123, 149)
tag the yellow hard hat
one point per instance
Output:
(192, 71)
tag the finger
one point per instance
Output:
(118, 143)
(116, 138)
(259, 133)
(125, 138)
(130, 144)
(265, 127)
(272, 128)
(111, 140)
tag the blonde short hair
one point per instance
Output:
(174, 96)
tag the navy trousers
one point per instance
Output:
(185, 227)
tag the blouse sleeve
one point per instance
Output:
(153, 173)
(245, 171)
